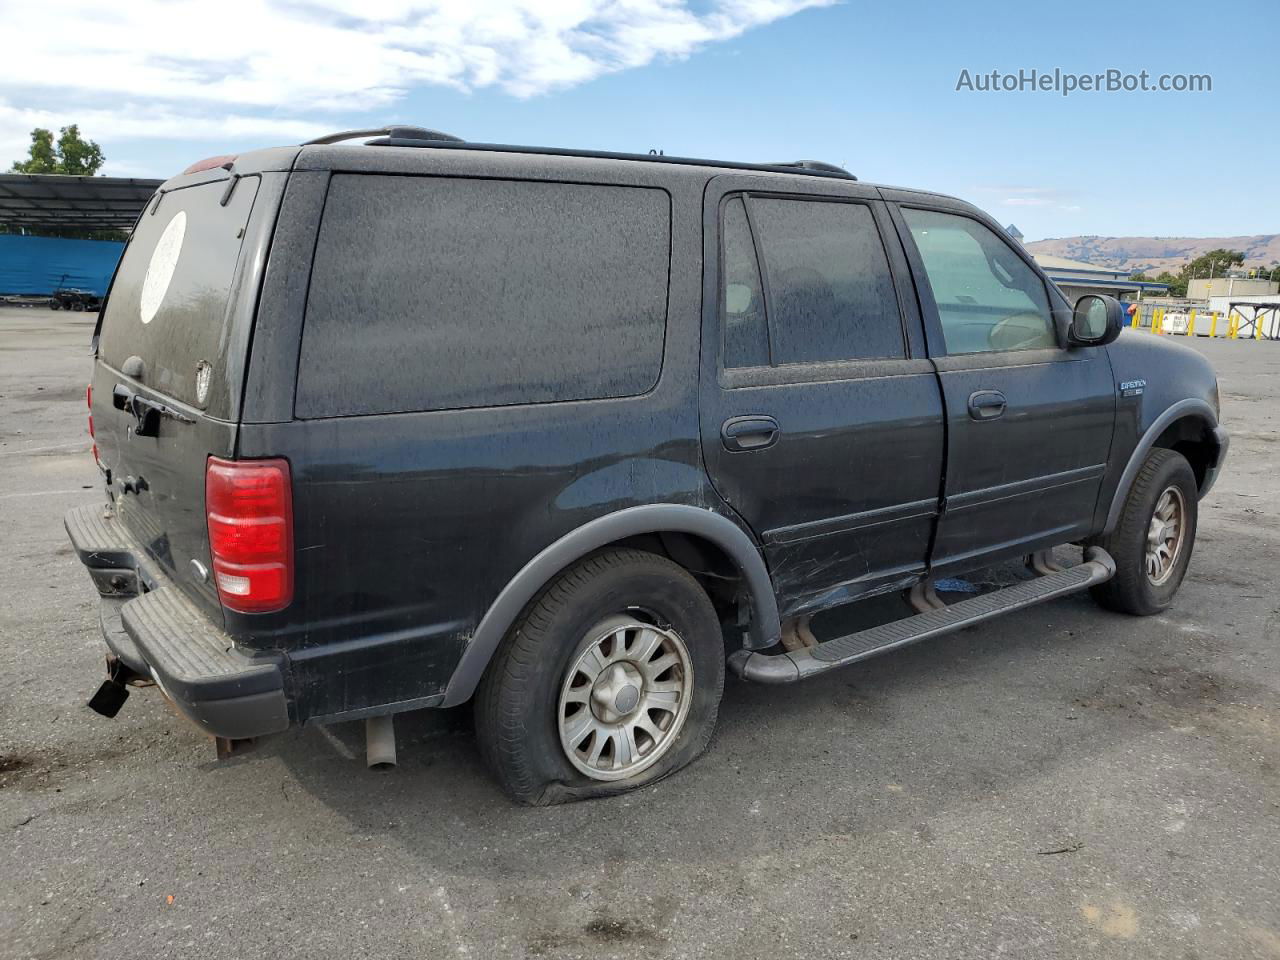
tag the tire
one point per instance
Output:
(1134, 589)
(619, 601)
(54, 305)
(78, 307)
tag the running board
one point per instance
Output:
(800, 664)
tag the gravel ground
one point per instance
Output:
(1062, 782)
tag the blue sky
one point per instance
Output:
(869, 86)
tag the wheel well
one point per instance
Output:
(1191, 437)
(708, 562)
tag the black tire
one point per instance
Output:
(1131, 590)
(517, 705)
(54, 305)
(78, 307)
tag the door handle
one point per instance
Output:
(743, 434)
(986, 404)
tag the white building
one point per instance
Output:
(1206, 289)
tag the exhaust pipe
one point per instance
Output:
(380, 742)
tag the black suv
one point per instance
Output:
(413, 422)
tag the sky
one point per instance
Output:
(870, 86)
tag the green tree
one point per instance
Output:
(1177, 284)
(1216, 261)
(69, 154)
(72, 154)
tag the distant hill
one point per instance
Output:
(1154, 254)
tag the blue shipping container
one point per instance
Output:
(40, 265)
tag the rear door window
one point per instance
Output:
(830, 293)
(746, 334)
(433, 293)
(168, 304)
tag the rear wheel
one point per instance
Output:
(77, 306)
(1153, 540)
(54, 305)
(610, 680)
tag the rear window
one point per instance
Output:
(431, 293)
(168, 305)
(831, 295)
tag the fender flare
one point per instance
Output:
(651, 518)
(1183, 408)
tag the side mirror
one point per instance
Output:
(1095, 321)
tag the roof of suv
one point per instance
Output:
(322, 149)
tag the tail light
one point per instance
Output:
(249, 504)
(88, 401)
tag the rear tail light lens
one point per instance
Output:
(88, 402)
(249, 505)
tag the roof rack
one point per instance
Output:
(406, 136)
(819, 165)
(398, 132)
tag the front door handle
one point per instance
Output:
(986, 404)
(742, 434)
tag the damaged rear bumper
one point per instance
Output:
(158, 632)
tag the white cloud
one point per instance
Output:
(1015, 196)
(188, 68)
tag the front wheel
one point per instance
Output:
(610, 680)
(1152, 542)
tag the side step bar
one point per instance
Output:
(800, 664)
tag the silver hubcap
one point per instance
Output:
(624, 698)
(1165, 535)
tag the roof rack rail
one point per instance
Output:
(815, 165)
(397, 132)
(811, 168)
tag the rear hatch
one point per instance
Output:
(164, 392)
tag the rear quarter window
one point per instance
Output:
(168, 303)
(432, 293)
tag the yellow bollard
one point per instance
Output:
(1232, 325)
(1157, 324)
(1136, 322)
(1213, 326)
(1257, 325)
(1191, 323)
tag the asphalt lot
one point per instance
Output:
(1061, 783)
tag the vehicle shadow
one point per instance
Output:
(883, 745)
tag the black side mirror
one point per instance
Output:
(1095, 321)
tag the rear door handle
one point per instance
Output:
(743, 434)
(987, 404)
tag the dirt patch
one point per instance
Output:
(1149, 691)
(11, 764)
(41, 770)
(601, 931)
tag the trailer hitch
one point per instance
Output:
(110, 697)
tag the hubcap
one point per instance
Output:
(624, 698)
(1165, 535)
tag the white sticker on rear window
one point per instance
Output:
(164, 259)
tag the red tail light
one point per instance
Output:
(249, 504)
(88, 401)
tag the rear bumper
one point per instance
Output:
(155, 630)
